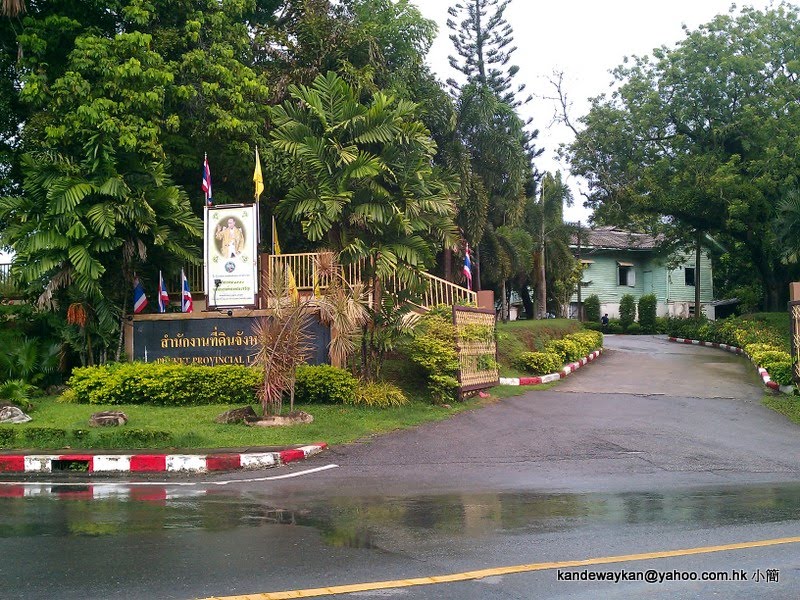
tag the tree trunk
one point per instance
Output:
(541, 285)
(527, 302)
(504, 303)
(698, 255)
(580, 276)
(448, 264)
(477, 286)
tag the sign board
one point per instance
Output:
(231, 255)
(211, 341)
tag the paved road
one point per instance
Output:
(648, 414)
(654, 447)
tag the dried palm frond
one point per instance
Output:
(12, 8)
(76, 314)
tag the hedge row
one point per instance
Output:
(162, 384)
(557, 353)
(55, 438)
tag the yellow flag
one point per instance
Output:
(294, 292)
(258, 179)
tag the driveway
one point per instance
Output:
(647, 414)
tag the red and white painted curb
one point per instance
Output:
(570, 368)
(773, 385)
(157, 463)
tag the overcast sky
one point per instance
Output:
(584, 39)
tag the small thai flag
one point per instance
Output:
(207, 181)
(139, 299)
(187, 305)
(467, 269)
(163, 296)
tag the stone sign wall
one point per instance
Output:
(213, 340)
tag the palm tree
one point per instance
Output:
(82, 227)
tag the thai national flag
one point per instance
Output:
(139, 299)
(468, 269)
(187, 305)
(163, 296)
(207, 181)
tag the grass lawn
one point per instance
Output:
(516, 337)
(194, 427)
(788, 406)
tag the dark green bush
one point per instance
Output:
(591, 307)
(614, 327)
(634, 329)
(780, 372)
(324, 384)
(7, 437)
(432, 348)
(378, 393)
(593, 326)
(44, 437)
(627, 311)
(647, 313)
(122, 437)
(164, 384)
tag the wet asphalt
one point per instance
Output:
(654, 447)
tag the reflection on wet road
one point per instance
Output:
(185, 540)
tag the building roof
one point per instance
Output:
(614, 238)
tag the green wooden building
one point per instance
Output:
(618, 262)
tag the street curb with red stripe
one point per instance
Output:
(156, 463)
(570, 368)
(762, 372)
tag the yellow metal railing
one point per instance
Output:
(196, 277)
(303, 268)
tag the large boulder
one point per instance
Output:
(237, 415)
(12, 414)
(108, 418)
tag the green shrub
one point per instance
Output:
(591, 307)
(635, 329)
(647, 313)
(567, 350)
(588, 340)
(661, 325)
(443, 388)
(627, 311)
(324, 384)
(538, 363)
(432, 348)
(378, 393)
(164, 384)
(770, 356)
(44, 437)
(614, 327)
(122, 437)
(780, 372)
(593, 326)
(7, 437)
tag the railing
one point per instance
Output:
(7, 285)
(304, 270)
(196, 277)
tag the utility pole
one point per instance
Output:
(580, 275)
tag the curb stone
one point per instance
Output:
(158, 463)
(773, 385)
(570, 368)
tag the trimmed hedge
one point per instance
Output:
(591, 307)
(557, 353)
(627, 311)
(324, 384)
(647, 313)
(538, 363)
(163, 384)
(432, 348)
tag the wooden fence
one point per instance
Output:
(477, 348)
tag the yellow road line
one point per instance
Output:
(470, 575)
